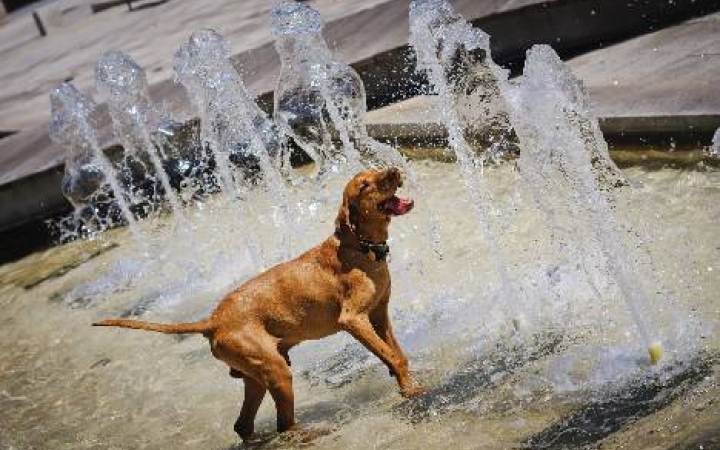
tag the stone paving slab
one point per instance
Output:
(674, 71)
(32, 65)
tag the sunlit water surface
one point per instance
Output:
(564, 369)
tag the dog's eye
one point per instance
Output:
(365, 185)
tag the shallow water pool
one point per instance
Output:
(566, 368)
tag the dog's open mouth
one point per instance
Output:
(396, 206)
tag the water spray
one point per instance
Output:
(440, 36)
(316, 97)
(570, 154)
(234, 125)
(124, 85)
(314, 85)
(436, 34)
(74, 128)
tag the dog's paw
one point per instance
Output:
(256, 441)
(414, 391)
(305, 434)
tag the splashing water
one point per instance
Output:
(191, 69)
(489, 388)
(715, 149)
(87, 169)
(124, 85)
(565, 162)
(436, 35)
(560, 180)
(233, 125)
(315, 96)
(319, 98)
(573, 156)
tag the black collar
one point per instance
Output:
(376, 251)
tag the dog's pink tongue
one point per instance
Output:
(398, 206)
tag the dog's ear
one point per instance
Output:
(347, 216)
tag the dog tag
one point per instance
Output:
(371, 255)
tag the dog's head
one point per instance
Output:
(369, 200)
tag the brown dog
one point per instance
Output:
(342, 284)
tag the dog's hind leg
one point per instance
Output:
(279, 382)
(254, 393)
(256, 355)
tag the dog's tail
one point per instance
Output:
(203, 326)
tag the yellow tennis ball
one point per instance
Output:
(656, 351)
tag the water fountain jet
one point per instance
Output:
(436, 34)
(124, 85)
(87, 168)
(444, 41)
(233, 124)
(571, 153)
(316, 96)
(715, 149)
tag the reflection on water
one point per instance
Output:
(573, 375)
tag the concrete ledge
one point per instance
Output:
(420, 116)
(672, 127)
(700, 125)
(35, 197)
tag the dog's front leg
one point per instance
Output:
(380, 320)
(359, 326)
